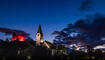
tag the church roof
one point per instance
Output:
(40, 30)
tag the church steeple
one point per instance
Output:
(40, 30)
(39, 36)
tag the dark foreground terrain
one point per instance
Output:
(25, 51)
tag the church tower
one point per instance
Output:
(39, 36)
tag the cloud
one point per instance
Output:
(91, 31)
(94, 28)
(11, 31)
(86, 5)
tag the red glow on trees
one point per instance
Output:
(19, 38)
(14, 38)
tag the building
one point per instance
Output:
(39, 36)
(40, 41)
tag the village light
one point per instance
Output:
(3, 58)
(93, 57)
(28, 57)
(18, 53)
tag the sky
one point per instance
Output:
(53, 15)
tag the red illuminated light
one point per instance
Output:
(14, 38)
(19, 37)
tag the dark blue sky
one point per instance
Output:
(53, 15)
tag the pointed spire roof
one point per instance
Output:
(39, 29)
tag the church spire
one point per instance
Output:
(39, 29)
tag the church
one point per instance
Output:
(39, 39)
(39, 36)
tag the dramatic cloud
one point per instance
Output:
(11, 31)
(86, 5)
(94, 29)
(91, 31)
